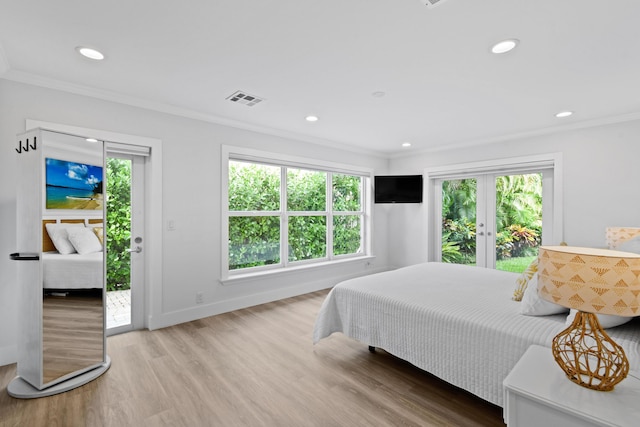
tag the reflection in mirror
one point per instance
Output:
(72, 256)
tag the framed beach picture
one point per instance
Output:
(71, 185)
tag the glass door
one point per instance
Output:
(125, 255)
(491, 220)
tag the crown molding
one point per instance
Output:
(36, 80)
(602, 121)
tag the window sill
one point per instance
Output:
(247, 277)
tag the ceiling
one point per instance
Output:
(377, 73)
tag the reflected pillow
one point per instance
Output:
(533, 305)
(60, 237)
(98, 230)
(84, 240)
(524, 279)
(606, 320)
(632, 245)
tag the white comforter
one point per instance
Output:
(456, 322)
(73, 271)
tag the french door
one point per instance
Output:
(489, 218)
(494, 216)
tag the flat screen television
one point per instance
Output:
(398, 189)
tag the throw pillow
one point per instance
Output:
(533, 305)
(524, 279)
(60, 237)
(98, 230)
(84, 240)
(606, 320)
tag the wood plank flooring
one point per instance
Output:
(252, 367)
(72, 337)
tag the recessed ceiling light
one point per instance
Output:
(406, 144)
(311, 118)
(505, 46)
(564, 114)
(91, 140)
(90, 53)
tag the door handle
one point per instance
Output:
(137, 250)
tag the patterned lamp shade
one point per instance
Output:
(593, 281)
(590, 280)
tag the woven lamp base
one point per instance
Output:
(588, 355)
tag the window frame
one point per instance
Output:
(231, 153)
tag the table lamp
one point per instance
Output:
(592, 281)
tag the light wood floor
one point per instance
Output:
(72, 334)
(252, 367)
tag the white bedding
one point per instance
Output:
(72, 271)
(456, 322)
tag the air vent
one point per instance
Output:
(241, 97)
(433, 3)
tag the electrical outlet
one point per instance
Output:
(199, 298)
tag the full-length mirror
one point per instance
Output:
(61, 212)
(72, 255)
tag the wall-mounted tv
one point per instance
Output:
(398, 189)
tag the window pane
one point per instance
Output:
(346, 193)
(459, 221)
(253, 187)
(518, 220)
(306, 190)
(253, 241)
(347, 234)
(307, 237)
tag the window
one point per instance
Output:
(290, 212)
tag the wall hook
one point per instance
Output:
(20, 148)
(26, 146)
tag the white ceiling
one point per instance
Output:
(442, 86)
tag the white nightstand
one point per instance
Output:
(537, 393)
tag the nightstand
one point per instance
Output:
(537, 393)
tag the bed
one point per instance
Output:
(72, 271)
(457, 322)
(72, 259)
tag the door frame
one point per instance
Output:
(552, 193)
(153, 229)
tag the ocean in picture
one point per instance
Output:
(73, 185)
(72, 198)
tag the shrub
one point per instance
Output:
(118, 225)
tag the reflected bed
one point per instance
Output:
(72, 271)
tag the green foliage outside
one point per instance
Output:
(516, 265)
(118, 225)
(518, 219)
(255, 240)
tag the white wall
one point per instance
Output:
(601, 184)
(191, 198)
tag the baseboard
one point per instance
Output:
(193, 313)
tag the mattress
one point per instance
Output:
(73, 271)
(456, 322)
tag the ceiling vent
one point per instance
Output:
(433, 3)
(241, 97)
